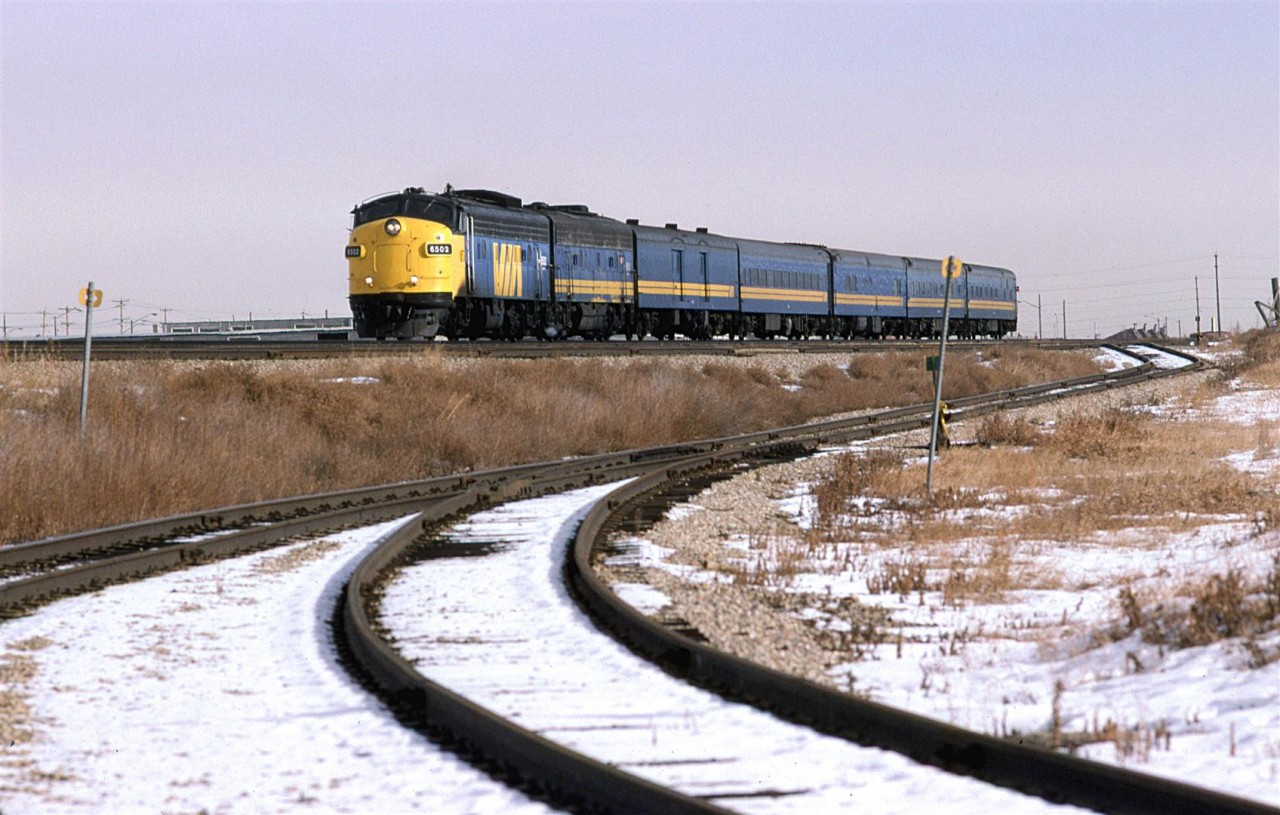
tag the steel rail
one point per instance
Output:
(99, 557)
(1053, 776)
(545, 768)
(113, 540)
(260, 347)
(555, 771)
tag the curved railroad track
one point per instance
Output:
(44, 570)
(546, 766)
(265, 346)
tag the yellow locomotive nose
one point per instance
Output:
(394, 256)
(404, 273)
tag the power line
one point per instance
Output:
(1129, 268)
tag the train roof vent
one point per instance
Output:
(574, 209)
(673, 226)
(702, 229)
(490, 197)
(633, 222)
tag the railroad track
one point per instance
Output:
(265, 347)
(33, 573)
(44, 570)
(545, 765)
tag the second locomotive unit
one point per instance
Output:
(477, 263)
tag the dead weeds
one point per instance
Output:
(170, 437)
(1224, 605)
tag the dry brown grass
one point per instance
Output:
(165, 438)
(1072, 479)
(1220, 606)
(1107, 434)
(1093, 472)
(1259, 359)
(1001, 429)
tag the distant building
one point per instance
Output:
(1136, 334)
(256, 326)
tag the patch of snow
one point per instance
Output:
(1112, 360)
(216, 689)
(641, 596)
(354, 380)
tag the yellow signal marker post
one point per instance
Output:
(951, 269)
(90, 298)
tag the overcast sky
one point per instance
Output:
(203, 158)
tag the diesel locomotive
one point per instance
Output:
(479, 263)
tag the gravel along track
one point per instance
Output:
(492, 620)
(214, 689)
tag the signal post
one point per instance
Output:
(90, 298)
(951, 269)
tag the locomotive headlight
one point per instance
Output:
(393, 227)
(413, 280)
(368, 281)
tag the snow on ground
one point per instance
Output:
(1112, 360)
(215, 690)
(1208, 714)
(500, 628)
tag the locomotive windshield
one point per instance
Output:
(428, 209)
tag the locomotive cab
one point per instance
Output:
(407, 263)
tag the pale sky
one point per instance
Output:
(203, 158)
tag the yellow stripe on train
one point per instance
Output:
(576, 285)
(868, 300)
(757, 293)
(687, 289)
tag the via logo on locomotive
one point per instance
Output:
(477, 263)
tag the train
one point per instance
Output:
(471, 264)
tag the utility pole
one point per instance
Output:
(121, 303)
(1040, 317)
(44, 321)
(1197, 306)
(165, 315)
(1216, 293)
(1064, 319)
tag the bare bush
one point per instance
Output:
(1106, 434)
(1220, 606)
(1000, 429)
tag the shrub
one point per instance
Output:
(1000, 429)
